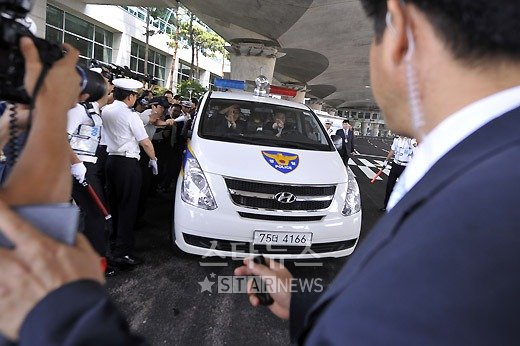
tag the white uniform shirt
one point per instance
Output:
(451, 132)
(145, 118)
(78, 116)
(330, 131)
(123, 130)
(403, 148)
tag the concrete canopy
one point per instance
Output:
(326, 42)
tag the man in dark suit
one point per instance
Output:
(440, 268)
(347, 140)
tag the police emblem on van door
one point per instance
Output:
(282, 162)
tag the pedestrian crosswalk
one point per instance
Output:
(367, 167)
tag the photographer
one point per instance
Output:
(29, 271)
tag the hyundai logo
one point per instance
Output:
(285, 197)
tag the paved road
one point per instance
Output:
(163, 299)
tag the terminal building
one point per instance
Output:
(117, 34)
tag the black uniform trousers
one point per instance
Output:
(395, 173)
(124, 186)
(92, 219)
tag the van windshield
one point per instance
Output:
(265, 124)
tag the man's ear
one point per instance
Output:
(398, 22)
(83, 97)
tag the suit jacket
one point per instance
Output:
(79, 313)
(348, 147)
(441, 268)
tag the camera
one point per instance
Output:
(116, 71)
(12, 28)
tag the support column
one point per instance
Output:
(375, 129)
(364, 128)
(249, 60)
(39, 16)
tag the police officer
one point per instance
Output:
(124, 133)
(328, 127)
(402, 150)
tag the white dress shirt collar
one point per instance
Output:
(450, 132)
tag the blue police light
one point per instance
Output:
(230, 84)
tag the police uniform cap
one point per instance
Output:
(127, 84)
(186, 104)
(97, 69)
(328, 122)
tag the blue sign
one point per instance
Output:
(282, 162)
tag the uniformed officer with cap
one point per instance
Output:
(328, 127)
(124, 132)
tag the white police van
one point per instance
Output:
(260, 175)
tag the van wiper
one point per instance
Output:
(299, 145)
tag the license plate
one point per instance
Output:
(282, 238)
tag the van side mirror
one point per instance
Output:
(337, 141)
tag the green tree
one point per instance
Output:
(200, 41)
(184, 88)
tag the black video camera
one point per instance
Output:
(13, 26)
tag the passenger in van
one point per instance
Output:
(256, 123)
(231, 122)
(278, 126)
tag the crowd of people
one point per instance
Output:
(136, 153)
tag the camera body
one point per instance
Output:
(12, 68)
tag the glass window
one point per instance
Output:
(78, 26)
(156, 66)
(103, 37)
(90, 40)
(54, 17)
(265, 124)
(102, 53)
(133, 64)
(140, 51)
(84, 46)
(54, 35)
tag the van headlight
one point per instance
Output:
(195, 188)
(353, 200)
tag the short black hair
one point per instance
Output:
(121, 94)
(167, 92)
(473, 30)
(346, 121)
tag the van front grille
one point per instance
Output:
(267, 196)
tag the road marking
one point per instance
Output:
(368, 172)
(350, 162)
(367, 163)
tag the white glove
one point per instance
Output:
(385, 163)
(78, 171)
(155, 168)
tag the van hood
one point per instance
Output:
(271, 164)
